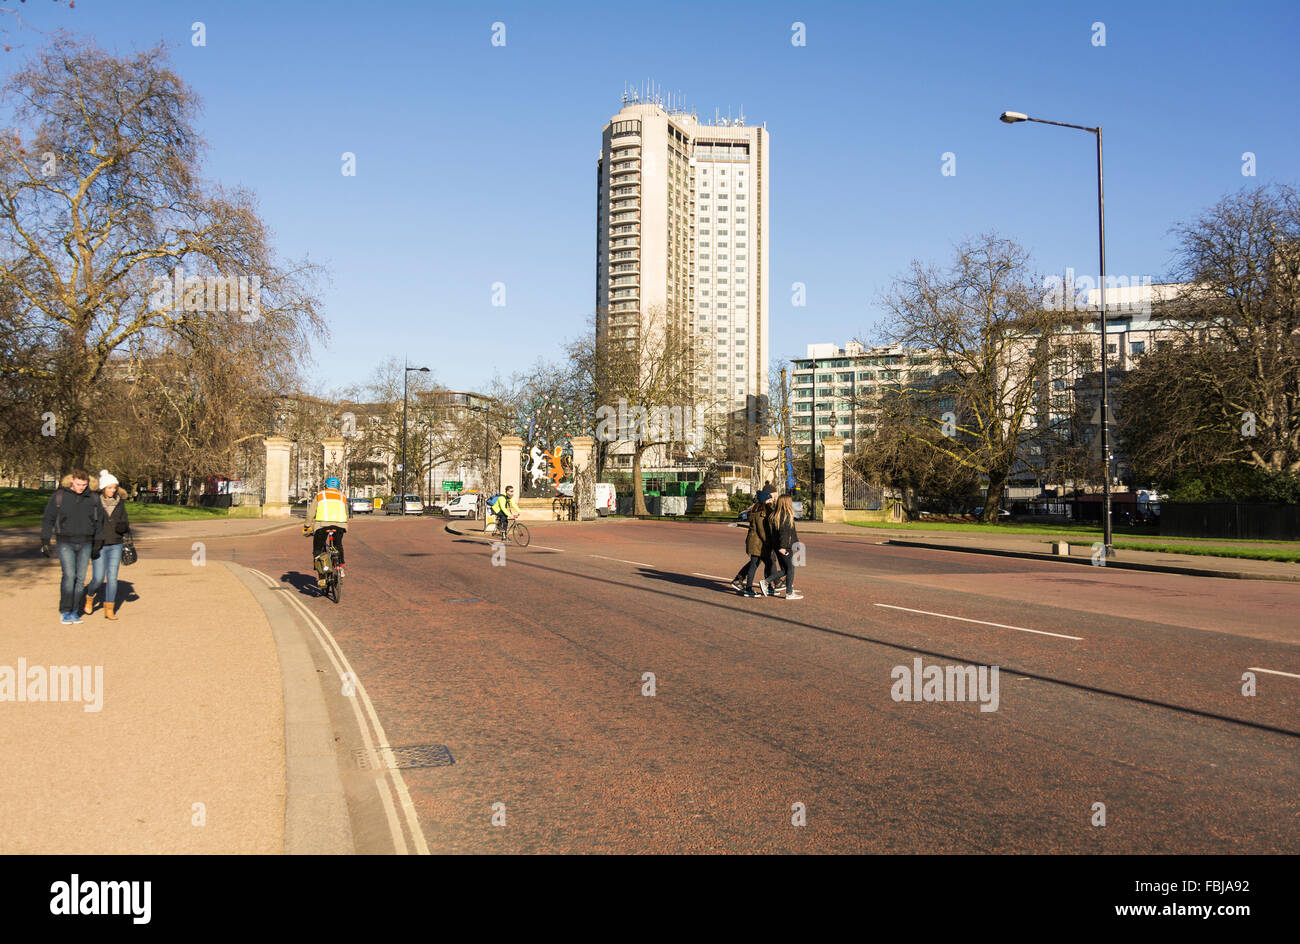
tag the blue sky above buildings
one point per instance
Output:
(476, 164)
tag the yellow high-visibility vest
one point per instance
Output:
(331, 505)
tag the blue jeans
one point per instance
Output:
(73, 558)
(110, 558)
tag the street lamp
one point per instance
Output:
(1012, 117)
(401, 495)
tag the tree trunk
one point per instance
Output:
(993, 500)
(638, 489)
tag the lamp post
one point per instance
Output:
(1012, 117)
(401, 495)
(486, 410)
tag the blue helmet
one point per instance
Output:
(332, 482)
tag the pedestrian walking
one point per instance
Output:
(755, 541)
(781, 527)
(766, 505)
(74, 519)
(112, 501)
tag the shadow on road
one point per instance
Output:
(688, 580)
(303, 583)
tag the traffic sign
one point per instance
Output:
(453, 486)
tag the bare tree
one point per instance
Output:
(103, 212)
(1231, 387)
(647, 378)
(992, 341)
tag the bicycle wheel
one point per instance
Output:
(520, 535)
(335, 587)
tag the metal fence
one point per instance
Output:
(858, 494)
(1253, 521)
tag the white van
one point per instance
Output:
(605, 501)
(462, 506)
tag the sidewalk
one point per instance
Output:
(177, 742)
(27, 540)
(1035, 547)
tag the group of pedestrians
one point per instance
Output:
(87, 521)
(771, 540)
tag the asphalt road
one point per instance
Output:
(1114, 687)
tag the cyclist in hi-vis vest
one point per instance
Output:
(504, 507)
(328, 512)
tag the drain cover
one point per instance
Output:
(404, 758)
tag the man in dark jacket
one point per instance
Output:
(74, 516)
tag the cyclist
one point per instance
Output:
(504, 507)
(327, 514)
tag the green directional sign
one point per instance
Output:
(453, 486)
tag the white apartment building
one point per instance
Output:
(831, 388)
(682, 227)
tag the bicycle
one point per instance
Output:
(333, 576)
(517, 532)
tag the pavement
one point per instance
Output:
(198, 725)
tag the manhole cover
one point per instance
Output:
(404, 758)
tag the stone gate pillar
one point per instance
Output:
(769, 464)
(833, 456)
(276, 504)
(511, 474)
(584, 477)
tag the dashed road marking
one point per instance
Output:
(1255, 668)
(964, 619)
(713, 576)
(621, 561)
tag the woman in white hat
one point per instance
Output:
(104, 568)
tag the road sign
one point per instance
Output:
(453, 486)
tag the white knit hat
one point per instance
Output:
(106, 478)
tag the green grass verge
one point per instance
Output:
(1287, 556)
(23, 507)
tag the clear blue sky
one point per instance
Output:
(475, 163)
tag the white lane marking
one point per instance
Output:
(386, 796)
(621, 561)
(981, 622)
(342, 667)
(1255, 668)
(543, 547)
(714, 576)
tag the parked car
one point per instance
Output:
(361, 506)
(1002, 512)
(462, 506)
(404, 505)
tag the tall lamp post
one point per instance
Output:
(1012, 117)
(401, 495)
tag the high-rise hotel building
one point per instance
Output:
(682, 226)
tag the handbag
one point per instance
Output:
(129, 555)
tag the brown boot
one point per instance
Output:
(90, 605)
(108, 611)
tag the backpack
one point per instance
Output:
(493, 500)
